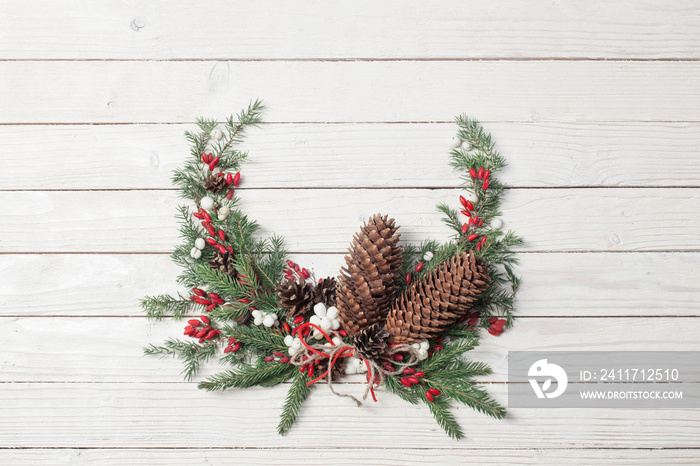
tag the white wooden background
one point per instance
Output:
(595, 104)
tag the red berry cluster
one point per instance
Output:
(414, 378)
(295, 270)
(233, 345)
(217, 237)
(278, 356)
(471, 318)
(210, 300)
(481, 174)
(474, 221)
(496, 326)
(231, 180)
(200, 328)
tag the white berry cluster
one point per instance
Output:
(326, 318)
(268, 319)
(196, 251)
(355, 365)
(428, 256)
(422, 348)
(294, 344)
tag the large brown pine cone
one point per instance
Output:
(366, 285)
(297, 296)
(435, 302)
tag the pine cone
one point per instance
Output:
(337, 372)
(367, 284)
(297, 296)
(223, 263)
(325, 292)
(432, 304)
(371, 342)
(215, 184)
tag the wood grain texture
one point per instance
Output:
(356, 155)
(349, 29)
(140, 415)
(350, 456)
(548, 219)
(556, 284)
(106, 349)
(156, 92)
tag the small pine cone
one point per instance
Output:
(337, 371)
(297, 296)
(367, 284)
(371, 342)
(434, 303)
(223, 263)
(215, 184)
(326, 292)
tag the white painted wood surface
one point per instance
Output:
(596, 106)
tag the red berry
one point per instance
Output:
(284, 360)
(198, 215)
(193, 322)
(213, 163)
(429, 396)
(294, 331)
(229, 248)
(222, 235)
(213, 296)
(305, 273)
(470, 206)
(472, 237)
(481, 223)
(279, 354)
(486, 185)
(201, 334)
(388, 366)
(229, 178)
(437, 348)
(210, 230)
(231, 340)
(463, 201)
(435, 391)
(207, 328)
(480, 173)
(467, 213)
(408, 277)
(211, 241)
(269, 358)
(492, 320)
(419, 266)
(201, 340)
(472, 173)
(205, 319)
(237, 179)
(210, 335)
(286, 327)
(198, 291)
(478, 247)
(220, 248)
(290, 263)
(487, 174)
(406, 383)
(289, 276)
(398, 357)
(189, 330)
(296, 268)
(409, 371)
(236, 347)
(206, 216)
(229, 195)
(310, 373)
(465, 227)
(420, 374)
(205, 158)
(298, 320)
(413, 379)
(228, 349)
(343, 333)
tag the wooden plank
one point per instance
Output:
(355, 155)
(549, 219)
(106, 349)
(154, 92)
(173, 415)
(349, 456)
(555, 284)
(362, 29)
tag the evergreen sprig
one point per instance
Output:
(297, 394)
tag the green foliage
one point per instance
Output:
(249, 375)
(193, 355)
(297, 394)
(157, 307)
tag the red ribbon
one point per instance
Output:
(347, 352)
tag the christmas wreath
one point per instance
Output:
(403, 315)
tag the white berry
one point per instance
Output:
(496, 223)
(296, 344)
(350, 369)
(268, 321)
(258, 321)
(337, 341)
(332, 312)
(428, 256)
(416, 346)
(455, 142)
(207, 203)
(256, 314)
(320, 310)
(199, 243)
(422, 354)
(424, 345)
(316, 320)
(326, 323)
(223, 213)
(335, 325)
(216, 135)
(466, 145)
(195, 253)
(288, 340)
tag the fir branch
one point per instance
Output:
(442, 359)
(407, 394)
(258, 337)
(192, 354)
(297, 394)
(469, 394)
(249, 375)
(440, 408)
(164, 305)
